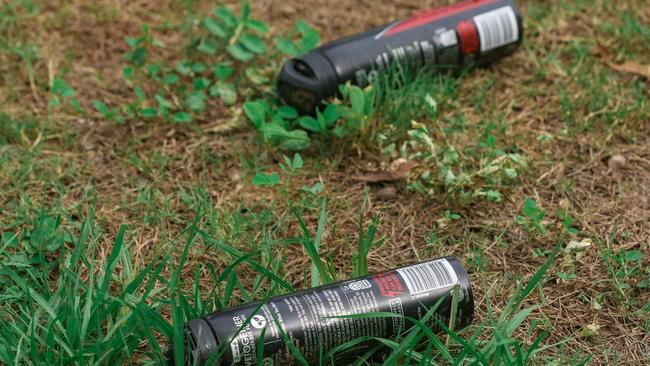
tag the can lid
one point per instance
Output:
(201, 342)
(307, 80)
(467, 303)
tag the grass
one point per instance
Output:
(122, 219)
(102, 310)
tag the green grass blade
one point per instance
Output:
(238, 254)
(111, 263)
(315, 272)
(537, 277)
(309, 246)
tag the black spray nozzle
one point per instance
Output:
(304, 82)
(199, 341)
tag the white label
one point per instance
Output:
(234, 349)
(430, 276)
(360, 285)
(396, 307)
(497, 28)
(258, 321)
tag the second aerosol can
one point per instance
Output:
(319, 319)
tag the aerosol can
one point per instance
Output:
(316, 321)
(471, 32)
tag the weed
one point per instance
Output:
(533, 217)
(447, 166)
(275, 125)
(226, 57)
(59, 91)
(309, 38)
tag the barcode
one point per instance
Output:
(497, 28)
(428, 276)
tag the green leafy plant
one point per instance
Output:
(628, 272)
(240, 34)
(533, 217)
(324, 123)
(629, 266)
(567, 222)
(446, 166)
(276, 125)
(228, 56)
(281, 126)
(244, 64)
(566, 277)
(110, 114)
(264, 179)
(449, 216)
(309, 38)
(60, 90)
(354, 113)
(290, 167)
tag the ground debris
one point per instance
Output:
(398, 172)
(632, 67)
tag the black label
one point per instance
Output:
(320, 319)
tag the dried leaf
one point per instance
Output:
(405, 168)
(387, 194)
(377, 177)
(602, 50)
(400, 173)
(596, 305)
(578, 245)
(632, 67)
(616, 163)
(590, 330)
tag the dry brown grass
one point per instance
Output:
(570, 172)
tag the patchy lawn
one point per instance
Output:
(83, 192)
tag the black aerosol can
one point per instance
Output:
(473, 31)
(319, 319)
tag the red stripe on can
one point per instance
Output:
(435, 14)
(468, 35)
